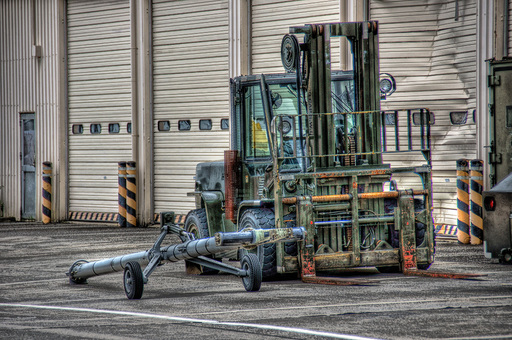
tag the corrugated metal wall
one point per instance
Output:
(28, 84)
(509, 28)
(190, 83)
(99, 85)
(272, 19)
(433, 58)
(431, 54)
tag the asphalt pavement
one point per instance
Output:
(37, 301)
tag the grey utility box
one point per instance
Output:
(498, 221)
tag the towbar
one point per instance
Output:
(190, 249)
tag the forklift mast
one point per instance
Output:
(363, 40)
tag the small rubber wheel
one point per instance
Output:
(505, 256)
(133, 280)
(251, 264)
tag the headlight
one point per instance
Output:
(387, 85)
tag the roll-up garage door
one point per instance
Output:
(272, 19)
(99, 89)
(191, 95)
(430, 49)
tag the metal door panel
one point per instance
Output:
(28, 166)
(99, 94)
(500, 82)
(503, 102)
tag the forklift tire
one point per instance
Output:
(251, 264)
(262, 218)
(420, 237)
(133, 280)
(389, 207)
(291, 248)
(197, 224)
(421, 230)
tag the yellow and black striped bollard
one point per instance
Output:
(131, 198)
(476, 185)
(463, 201)
(47, 192)
(122, 193)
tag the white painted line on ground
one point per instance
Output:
(190, 320)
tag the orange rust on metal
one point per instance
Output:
(409, 261)
(330, 198)
(289, 200)
(328, 175)
(441, 275)
(231, 178)
(335, 281)
(374, 195)
(378, 172)
(308, 267)
(346, 197)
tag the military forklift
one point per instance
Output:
(307, 149)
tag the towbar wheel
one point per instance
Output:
(252, 281)
(133, 280)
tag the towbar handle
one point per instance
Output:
(259, 236)
(224, 239)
